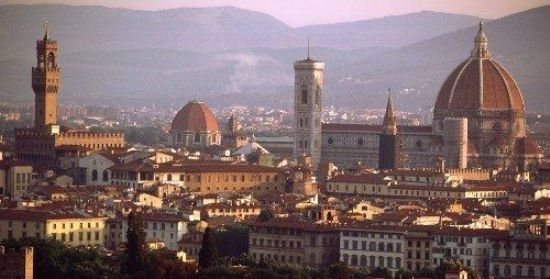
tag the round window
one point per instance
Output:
(330, 140)
(360, 141)
(418, 143)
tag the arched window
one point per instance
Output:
(169, 177)
(496, 270)
(197, 137)
(94, 175)
(381, 261)
(363, 261)
(304, 96)
(301, 122)
(305, 144)
(531, 272)
(354, 260)
(306, 122)
(51, 60)
(301, 144)
(105, 175)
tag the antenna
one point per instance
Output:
(307, 47)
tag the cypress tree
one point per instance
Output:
(207, 255)
(135, 245)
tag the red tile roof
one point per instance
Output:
(463, 88)
(195, 116)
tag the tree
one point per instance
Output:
(207, 255)
(425, 272)
(381, 273)
(450, 264)
(339, 270)
(404, 273)
(53, 259)
(164, 264)
(266, 215)
(231, 242)
(135, 257)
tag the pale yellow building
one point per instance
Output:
(74, 228)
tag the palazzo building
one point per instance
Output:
(40, 144)
(479, 121)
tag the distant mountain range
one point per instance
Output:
(168, 57)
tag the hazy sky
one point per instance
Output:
(303, 12)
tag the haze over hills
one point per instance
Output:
(174, 55)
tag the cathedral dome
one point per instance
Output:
(480, 83)
(195, 116)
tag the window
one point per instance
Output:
(197, 138)
(169, 177)
(105, 175)
(519, 270)
(304, 97)
(94, 175)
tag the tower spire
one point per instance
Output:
(46, 30)
(390, 124)
(480, 44)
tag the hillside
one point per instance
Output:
(246, 57)
(520, 42)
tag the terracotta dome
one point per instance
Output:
(526, 146)
(480, 83)
(195, 116)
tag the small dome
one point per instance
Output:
(525, 146)
(195, 116)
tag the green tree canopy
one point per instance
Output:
(207, 255)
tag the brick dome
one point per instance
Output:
(195, 116)
(480, 83)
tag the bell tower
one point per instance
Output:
(45, 82)
(387, 150)
(308, 84)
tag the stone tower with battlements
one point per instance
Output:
(46, 80)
